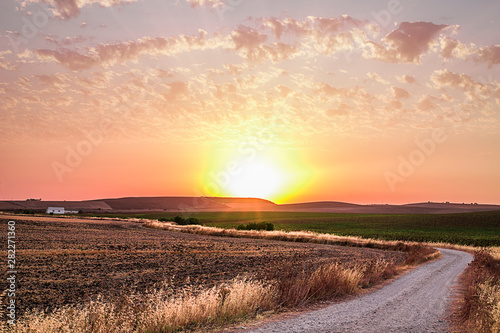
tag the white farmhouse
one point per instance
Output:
(55, 210)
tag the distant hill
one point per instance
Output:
(414, 208)
(43, 205)
(163, 203)
(245, 203)
(147, 204)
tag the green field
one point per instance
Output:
(479, 229)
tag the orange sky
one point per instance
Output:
(281, 100)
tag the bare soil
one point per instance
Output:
(68, 261)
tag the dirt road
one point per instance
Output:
(416, 302)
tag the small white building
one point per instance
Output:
(55, 210)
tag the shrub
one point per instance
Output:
(257, 226)
(181, 221)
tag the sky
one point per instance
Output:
(392, 101)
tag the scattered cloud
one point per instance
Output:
(452, 48)
(68, 9)
(400, 93)
(474, 90)
(206, 3)
(427, 103)
(66, 41)
(4, 63)
(489, 54)
(376, 77)
(273, 64)
(406, 44)
(105, 55)
(342, 110)
(407, 79)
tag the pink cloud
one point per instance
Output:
(312, 26)
(407, 43)
(325, 35)
(474, 90)
(206, 3)
(447, 78)
(247, 38)
(407, 79)
(8, 102)
(427, 103)
(376, 77)
(490, 55)
(50, 80)
(400, 93)
(70, 59)
(284, 91)
(6, 64)
(67, 9)
(250, 43)
(342, 110)
(177, 91)
(106, 55)
(66, 41)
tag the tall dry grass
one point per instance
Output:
(157, 311)
(480, 302)
(294, 236)
(163, 311)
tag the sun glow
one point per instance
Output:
(254, 171)
(260, 179)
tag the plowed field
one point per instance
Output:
(63, 262)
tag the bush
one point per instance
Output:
(181, 221)
(257, 226)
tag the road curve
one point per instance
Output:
(416, 302)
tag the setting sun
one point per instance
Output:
(260, 170)
(259, 179)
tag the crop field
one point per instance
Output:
(477, 229)
(63, 262)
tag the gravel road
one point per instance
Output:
(416, 302)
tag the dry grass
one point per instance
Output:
(210, 307)
(297, 288)
(494, 252)
(164, 311)
(158, 311)
(291, 236)
(480, 303)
